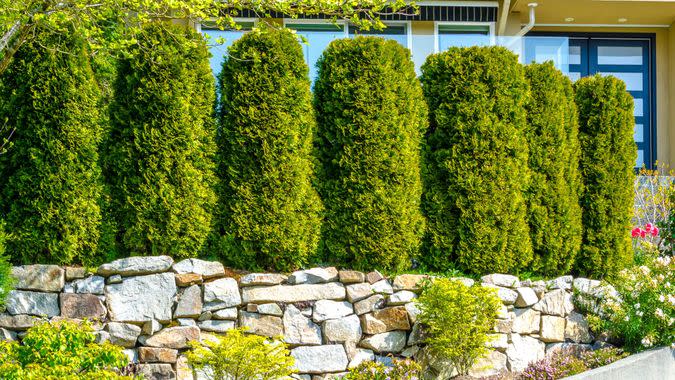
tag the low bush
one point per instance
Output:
(5, 270)
(476, 162)
(158, 155)
(608, 155)
(566, 363)
(50, 183)
(399, 370)
(268, 217)
(457, 321)
(240, 356)
(61, 350)
(371, 118)
(554, 213)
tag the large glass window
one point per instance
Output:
(456, 35)
(317, 37)
(396, 32)
(220, 40)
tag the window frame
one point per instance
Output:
(490, 25)
(408, 30)
(254, 20)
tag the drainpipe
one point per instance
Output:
(530, 24)
(506, 9)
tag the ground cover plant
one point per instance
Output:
(268, 216)
(158, 156)
(371, 118)
(566, 363)
(398, 370)
(476, 156)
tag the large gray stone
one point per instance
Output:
(215, 325)
(262, 279)
(577, 329)
(410, 282)
(347, 329)
(265, 325)
(207, 269)
(522, 351)
(123, 334)
(557, 302)
(526, 321)
(491, 364)
(401, 298)
(387, 319)
(157, 371)
(270, 309)
(7, 335)
(389, 342)
(299, 329)
(92, 284)
(189, 303)
(81, 306)
(32, 303)
(552, 329)
(320, 359)
(44, 278)
(228, 314)
(506, 295)
(357, 292)
(503, 280)
(221, 294)
(293, 293)
(369, 304)
(327, 309)
(142, 298)
(17, 322)
(313, 276)
(585, 285)
(563, 282)
(526, 297)
(137, 265)
(382, 287)
(157, 355)
(174, 337)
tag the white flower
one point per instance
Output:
(626, 318)
(639, 313)
(637, 305)
(662, 298)
(644, 270)
(659, 313)
(646, 342)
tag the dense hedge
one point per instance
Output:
(608, 156)
(158, 159)
(269, 213)
(476, 155)
(553, 197)
(5, 269)
(371, 118)
(50, 178)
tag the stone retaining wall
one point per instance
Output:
(332, 319)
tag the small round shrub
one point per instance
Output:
(553, 197)
(371, 118)
(159, 153)
(268, 216)
(607, 162)
(476, 157)
(50, 181)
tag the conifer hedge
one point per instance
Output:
(608, 155)
(371, 119)
(476, 157)
(50, 181)
(269, 213)
(553, 197)
(159, 153)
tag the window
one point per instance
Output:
(228, 36)
(317, 36)
(396, 32)
(462, 35)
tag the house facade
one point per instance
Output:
(633, 40)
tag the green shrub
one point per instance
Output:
(269, 214)
(553, 198)
(399, 370)
(158, 157)
(457, 321)
(61, 350)
(371, 118)
(5, 270)
(608, 156)
(240, 356)
(476, 159)
(50, 179)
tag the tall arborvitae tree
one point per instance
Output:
(476, 154)
(50, 178)
(371, 119)
(608, 154)
(553, 197)
(269, 213)
(158, 159)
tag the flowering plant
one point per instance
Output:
(400, 370)
(567, 363)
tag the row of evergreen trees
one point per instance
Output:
(483, 167)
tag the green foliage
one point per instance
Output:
(158, 157)
(371, 118)
(553, 197)
(608, 156)
(399, 370)
(269, 212)
(6, 280)
(50, 178)
(457, 321)
(61, 350)
(642, 312)
(566, 362)
(240, 356)
(476, 158)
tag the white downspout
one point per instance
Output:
(530, 24)
(503, 17)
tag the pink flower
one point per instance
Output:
(643, 233)
(648, 227)
(655, 231)
(635, 232)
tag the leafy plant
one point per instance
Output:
(61, 350)
(553, 196)
(6, 280)
(371, 118)
(654, 198)
(158, 156)
(269, 211)
(50, 179)
(458, 320)
(607, 162)
(476, 161)
(566, 363)
(399, 370)
(240, 356)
